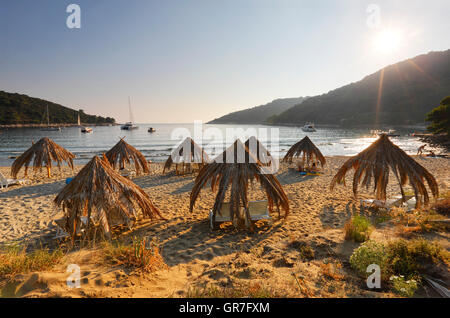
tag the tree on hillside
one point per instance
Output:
(440, 118)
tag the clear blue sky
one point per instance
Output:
(199, 59)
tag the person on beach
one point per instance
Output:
(313, 168)
(420, 150)
(300, 167)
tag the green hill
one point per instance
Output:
(258, 114)
(410, 89)
(22, 109)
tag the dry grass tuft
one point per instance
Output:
(331, 271)
(136, 256)
(14, 260)
(442, 207)
(252, 290)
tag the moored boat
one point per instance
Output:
(129, 125)
(309, 127)
(50, 128)
(389, 133)
(84, 129)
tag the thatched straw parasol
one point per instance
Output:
(101, 194)
(374, 163)
(257, 149)
(308, 151)
(44, 152)
(187, 153)
(232, 170)
(123, 153)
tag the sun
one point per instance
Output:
(388, 41)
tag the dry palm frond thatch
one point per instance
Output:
(123, 153)
(310, 152)
(257, 149)
(232, 170)
(187, 153)
(44, 152)
(101, 194)
(374, 164)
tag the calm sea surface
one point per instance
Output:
(158, 145)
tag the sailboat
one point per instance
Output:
(129, 125)
(48, 128)
(84, 129)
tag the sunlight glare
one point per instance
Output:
(388, 41)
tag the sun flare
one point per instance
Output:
(388, 41)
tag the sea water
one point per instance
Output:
(158, 145)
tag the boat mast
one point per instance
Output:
(48, 118)
(129, 109)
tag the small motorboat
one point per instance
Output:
(86, 130)
(129, 126)
(151, 130)
(309, 127)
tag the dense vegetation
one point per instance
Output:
(440, 118)
(22, 109)
(258, 114)
(409, 90)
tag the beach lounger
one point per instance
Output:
(128, 173)
(223, 216)
(257, 209)
(4, 182)
(61, 232)
(389, 204)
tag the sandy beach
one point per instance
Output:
(267, 259)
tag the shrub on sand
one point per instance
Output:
(406, 260)
(370, 252)
(404, 287)
(358, 229)
(409, 258)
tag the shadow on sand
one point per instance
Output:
(183, 242)
(291, 176)
(33, 191)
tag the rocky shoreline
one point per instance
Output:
(439, 141)
(52, 125)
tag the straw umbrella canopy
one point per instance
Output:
(257, 149)
(123, 153)
(308, 151)
(374, 164)
(232, 170)
(43, 153)
(100, 193)
(187, 153)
